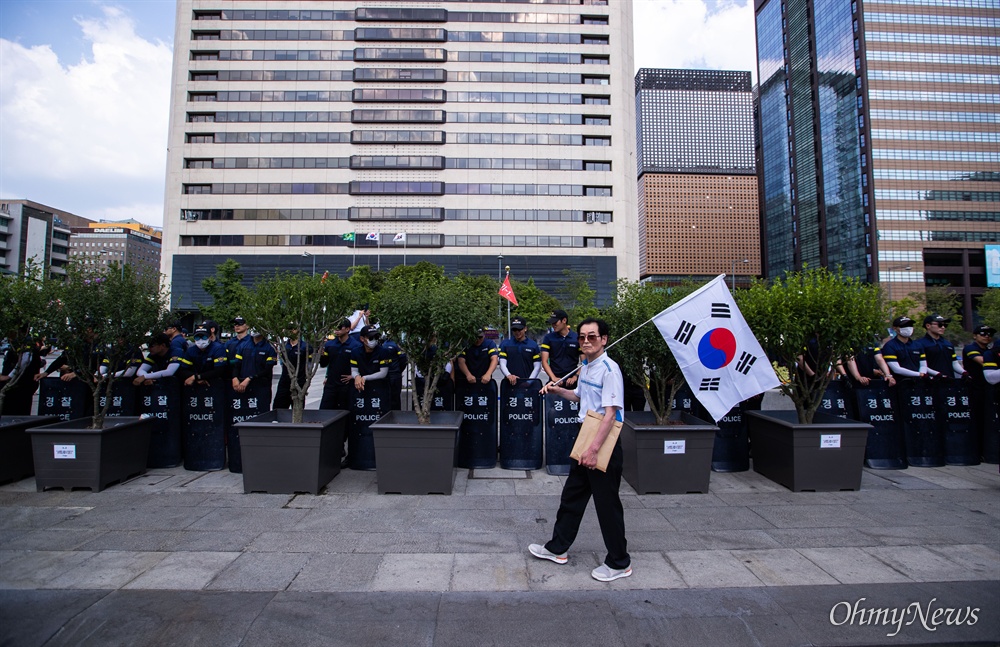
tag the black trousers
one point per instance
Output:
(581, 484)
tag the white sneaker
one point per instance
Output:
(605, 573)
(541, 552)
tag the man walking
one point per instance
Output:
(599, 389)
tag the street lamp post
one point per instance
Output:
(308, 255)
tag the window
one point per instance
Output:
(599, 191)
(597, 166)
(597, 100)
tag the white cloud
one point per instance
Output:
(687, 34)
(100, 123)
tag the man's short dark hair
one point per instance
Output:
(602, 326)
(159, 339)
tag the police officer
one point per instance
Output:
(975, 357)
(520, 357)
(21, 363)
(560, 350)
(396, 366)
(203, 362)
(939, 352)
(299, 353)
(178, 344)
(158, 363)
(336, 358)
(240, 337)
(254, 365)
(903, 356)
(478, 361)
(371, 361)
(868, 365)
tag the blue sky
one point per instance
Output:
(85, 91)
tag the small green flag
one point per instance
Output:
(349, 237)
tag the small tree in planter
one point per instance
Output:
(23, 307)
(845, 312)
(297, 306)
(643, 355)
(106, 314)
(432, 318)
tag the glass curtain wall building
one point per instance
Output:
(879, 139)
(698, 209)
(382, 133)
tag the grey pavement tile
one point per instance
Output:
(952, 480)
(327, 518)
(921, 564)
(318, 541)
(918, 514)
(346, 620)
(480, 542)
(907, 480)
(189, 571)
(469, 521)
(222, 481)
(37, 517)
(370, 502)
(888, 495)
(141, 618)
(681, 500)
(537, 502)
(852, 565)
(306, 501)
(539, 483)
(736, 539)
(820, 537)
(490, 487)
(715, 518)
(651, 570)
(134, 540)
(647, 519)
(137, 517)
(254, 500)
(479, 572)
(732, 631)
(29, 618)
(398, 542)
(966, 497)
(8, 536)
(811, 516)
(749, 481)
(110, 569)
(660, 540)
(712, 568)
(926, 535)
(260, 519)
(574, 575)
(336, 573)
(259, 572)
(693, 603)
(414, 572)
(977, 559)
(523, 620)
(215, 540)
(462, 502)
(747, 499)
(50, 538)
(352, 481)
(877, 480)
(783, 567)
(34, 569)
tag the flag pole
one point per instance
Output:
(507, 269)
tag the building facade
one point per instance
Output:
(33, 232)
(125, 243)
(469, 134)
(880, 150)
(697, 182)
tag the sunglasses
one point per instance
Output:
(200, 337)
(940, 325)
(592, 338)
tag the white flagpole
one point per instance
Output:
(404, 248)
(507, 269)
(378, 251)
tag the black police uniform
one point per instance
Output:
(336, 358)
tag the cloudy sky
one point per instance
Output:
(85, 88)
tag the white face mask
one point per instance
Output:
(906, 332)
(202, 344)
(371, 343)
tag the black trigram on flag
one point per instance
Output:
(710, 384)
(684, 332)
(720, 310)
(745, 363)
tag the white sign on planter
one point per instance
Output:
(674, 446)
(64, 451)
(829, 441)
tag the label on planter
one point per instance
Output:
(674, 446)
(829, 441)
(64, 451)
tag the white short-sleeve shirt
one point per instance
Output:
(600, 385)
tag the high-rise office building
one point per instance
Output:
(698, 213)
(879, 139)
(34, 233)
(470, 134)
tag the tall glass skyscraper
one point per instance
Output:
(473, 134)
(879, 144)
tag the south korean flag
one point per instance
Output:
(716, 350)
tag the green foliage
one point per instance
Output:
(108, 313)
(945, 302)
(846, 313)
(297, 306)
(23, 305)
(577, 297)
(643, 355)
(364, 284)
(227, 292)
(989, 307)
(433, 318)
(534, 304)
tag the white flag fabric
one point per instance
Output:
(722, 361)
(372, 236)
(399, 238)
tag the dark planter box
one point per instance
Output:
(412, 458)
(791, 454)
(89, 458)
(282, 457)
(15, 446)
(667, 459)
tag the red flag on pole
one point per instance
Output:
(507, 292)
